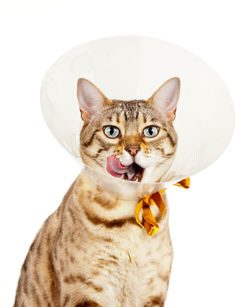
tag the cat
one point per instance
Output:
(91, 251)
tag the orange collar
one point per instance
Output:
(148, 220)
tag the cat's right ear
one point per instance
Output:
(91, 99)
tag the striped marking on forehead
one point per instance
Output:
(130, 109)
(135, 110)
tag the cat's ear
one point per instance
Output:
(166, 97)
(91, 99)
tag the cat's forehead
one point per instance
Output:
(132, 110)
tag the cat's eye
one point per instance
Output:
(151, 131)
(111, 131)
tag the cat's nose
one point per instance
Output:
(132, 149)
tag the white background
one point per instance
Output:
(210, 223)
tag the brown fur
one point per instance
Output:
(91, 251)
(86, 254)
(131, 117)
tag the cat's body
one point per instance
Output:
(91, 251)
(95, 255)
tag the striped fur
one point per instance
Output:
(130, 117)
(91, 252)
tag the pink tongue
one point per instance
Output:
(114, 166)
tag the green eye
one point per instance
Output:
(150, 131)
(111, 132)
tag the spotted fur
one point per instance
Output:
(91, 251)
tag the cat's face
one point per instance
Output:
(133, 140)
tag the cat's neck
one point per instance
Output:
(97, 208)
(100, 200)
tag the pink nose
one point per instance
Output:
(133, 149)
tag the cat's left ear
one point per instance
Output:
(91, 100)
(166, 97)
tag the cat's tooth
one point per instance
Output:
(130, 174)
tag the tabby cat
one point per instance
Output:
(91, 251)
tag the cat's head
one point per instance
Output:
(134, 140)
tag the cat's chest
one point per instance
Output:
(132, 265)
(125, 247)
(135, 256)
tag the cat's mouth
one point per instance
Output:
(132, 172)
